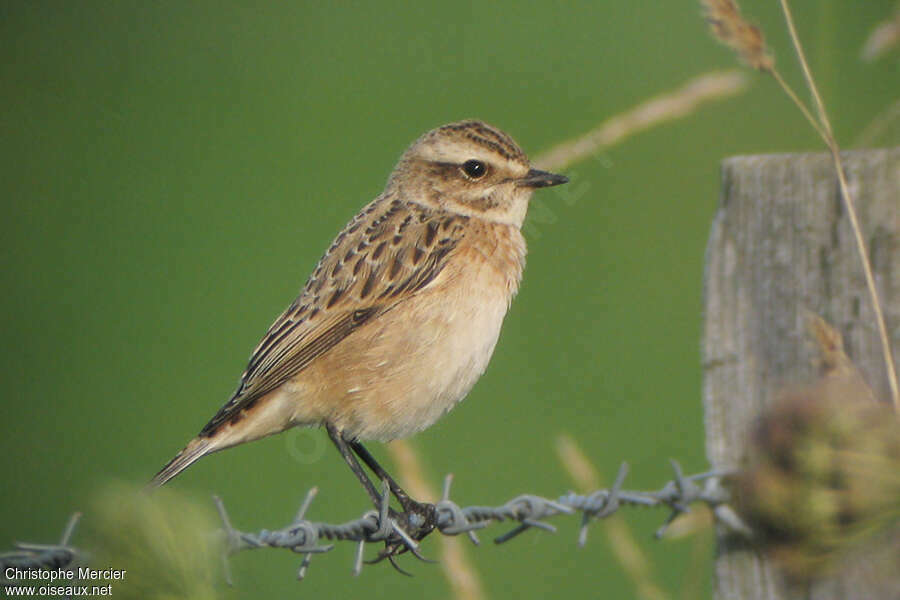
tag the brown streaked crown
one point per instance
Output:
(480, 134)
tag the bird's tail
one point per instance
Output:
(196, 448)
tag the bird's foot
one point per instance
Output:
(417, 520)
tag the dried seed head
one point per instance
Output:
(728, 26)
(824, 473)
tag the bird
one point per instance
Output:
(401, 315)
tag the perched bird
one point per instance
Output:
(402, 313)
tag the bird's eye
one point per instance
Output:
(474, 168)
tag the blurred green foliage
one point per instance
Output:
(172, 171)
(162, 542)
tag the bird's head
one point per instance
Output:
(471, 168)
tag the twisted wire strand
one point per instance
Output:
(529, 511)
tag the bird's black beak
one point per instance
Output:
(538, 179)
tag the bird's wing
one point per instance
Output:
(386, 254)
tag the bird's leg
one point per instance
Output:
(354, 465)
(381, 473)
(426, 513)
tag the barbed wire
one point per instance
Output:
(43, 556)
(381, 526)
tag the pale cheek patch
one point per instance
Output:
(508, 209)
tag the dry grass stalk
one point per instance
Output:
(622, 542)
(831, 142)
(715, 85)
(835, 362)
(883, 38)
(459, 570)
(729, 27)
(727, 24)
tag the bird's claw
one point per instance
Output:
(410, 526)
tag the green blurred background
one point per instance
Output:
(172, 171)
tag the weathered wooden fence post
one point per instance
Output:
(781, 245)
